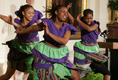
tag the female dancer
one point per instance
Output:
(37, 16)
(51, 61)
(86, 50)
(17, 60)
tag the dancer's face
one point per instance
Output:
(30, 2)
(62, 14)
(89, 19)
(28, 14)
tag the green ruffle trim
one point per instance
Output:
(61, 71)
(89, 49)
(79, 55)
(51, 52)
(37, 35)
(23, 47)
(93, 76)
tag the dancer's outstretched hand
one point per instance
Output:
(11, 20)
(69, 5)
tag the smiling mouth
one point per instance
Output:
(64, 17)
(30, 17)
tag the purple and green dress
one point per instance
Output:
(20, 55)
(51, 61)
(86, 50)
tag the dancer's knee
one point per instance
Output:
(75, 75)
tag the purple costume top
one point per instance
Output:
(27, 37)
(58, 32)
(89, 36)
(32, 36)
(37, 15)
(48, 53)
(83, 48)
(23, 43)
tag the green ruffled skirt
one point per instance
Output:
(20, 56)
(50, 55)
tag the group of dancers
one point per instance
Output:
(48, 59)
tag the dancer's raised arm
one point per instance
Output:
(9, 19)
(87, 27)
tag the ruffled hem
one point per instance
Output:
(21, 46)
(72, 28)
(51, 74)
(60, 69)
(51, 52)
(98, 57)
(89, 49)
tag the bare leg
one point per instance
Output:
(75, 75)
(25, 76)
(16, 74)
(8, 74)
(107, 77)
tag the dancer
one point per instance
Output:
(22, 44)
(51, 61)
(85, 51)
(37, 16)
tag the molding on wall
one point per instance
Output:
(84, 5)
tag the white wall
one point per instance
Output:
(100, 10)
